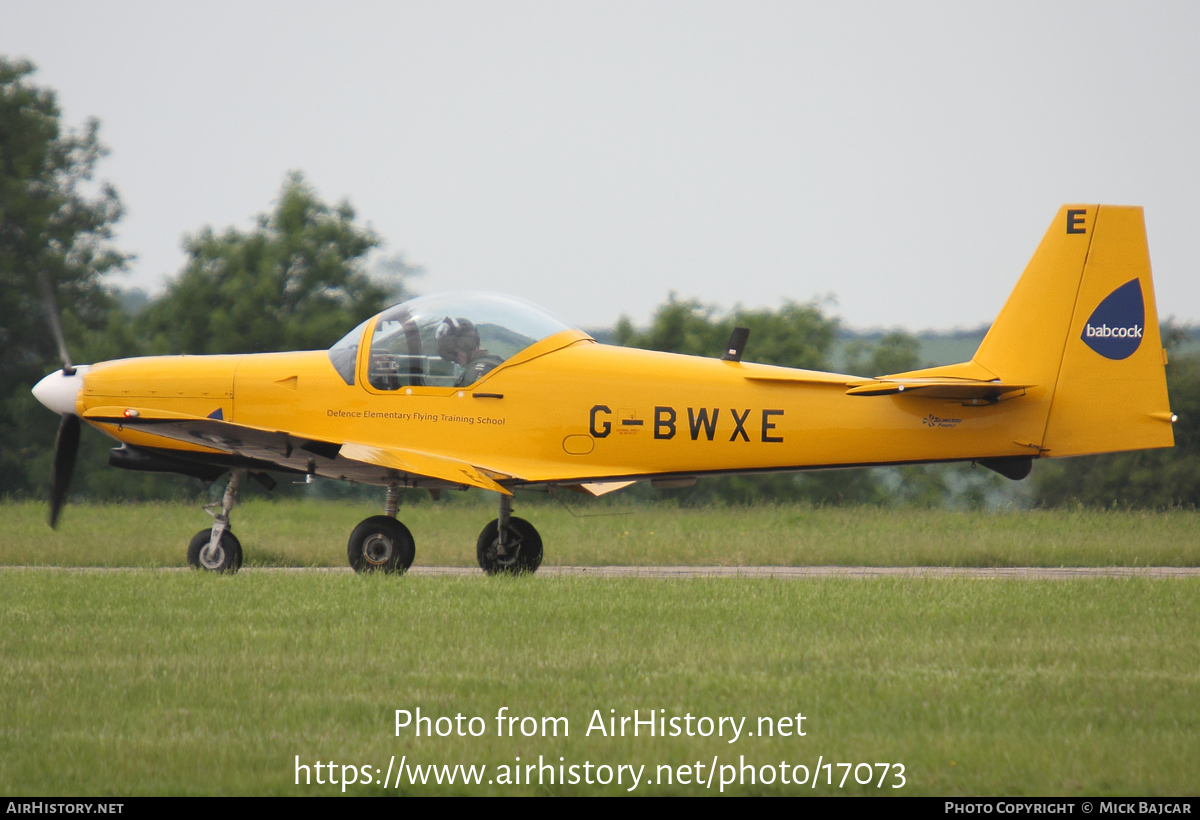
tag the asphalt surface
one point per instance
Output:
(797, 573)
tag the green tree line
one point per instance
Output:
(297, 280)
(300, 278)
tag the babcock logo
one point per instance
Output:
(1114, 330)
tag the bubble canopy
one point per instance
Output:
(448, 339)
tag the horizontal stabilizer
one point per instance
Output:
(934, 388)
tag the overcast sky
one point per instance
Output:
(592, 157)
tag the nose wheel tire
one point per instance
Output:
(226, 557)
(381, 544)
(522, 551)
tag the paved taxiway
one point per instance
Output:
(798, 573)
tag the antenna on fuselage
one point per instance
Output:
(736, 345)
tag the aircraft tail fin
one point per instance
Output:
(1081, 328)
(1111, 387)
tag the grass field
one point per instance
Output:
(314, 533)
(189, 683)
(148, 682)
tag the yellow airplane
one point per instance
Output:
(477, 390)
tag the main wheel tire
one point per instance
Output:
(381, 544)
(226, 558)
(523, 548)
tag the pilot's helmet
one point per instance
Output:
(456, 337)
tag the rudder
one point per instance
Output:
(1111, 389)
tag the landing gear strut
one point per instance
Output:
(509, 544)
(217, 549)
(381, 543)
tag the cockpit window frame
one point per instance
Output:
(349, 375)
(413, 383)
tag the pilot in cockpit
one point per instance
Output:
(458, 342)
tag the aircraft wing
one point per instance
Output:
(268, 449)
(413, 462)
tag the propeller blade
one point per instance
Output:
(51, 307)
(66, 447)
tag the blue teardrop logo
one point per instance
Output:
(1114, 330)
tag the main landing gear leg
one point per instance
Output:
(217, 549)
(381, 543)
(509, 544)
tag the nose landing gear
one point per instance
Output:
(226, 556)
(217, 548)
